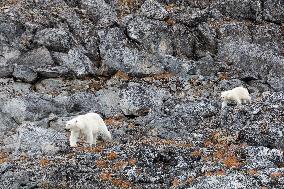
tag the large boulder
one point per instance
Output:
(54, 39)
(273, 11)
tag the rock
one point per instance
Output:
(33, 140)
(153, 9)
(35, 59)
(190, 16)
(6, 69)
(153, 35)
(54, 39)
(273, 11)
(108, 100)
(262, 157)
(31, 107)
(116, 55)
(10, 29)
(241, 9)
(7, 126)
(25, 74)
(251, 61)
(233, 181)
(183, 40)
(139, 100)
(101, 12)
(76, 62)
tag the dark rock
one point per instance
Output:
(76, 62)
(36, 58)
(54, 39)
(101, 12)
(25, 74)
(273, 11)
(153, 35)
(153, 9)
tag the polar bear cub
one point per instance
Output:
(91, 125)
(239, 95)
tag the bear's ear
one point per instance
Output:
(76, 121)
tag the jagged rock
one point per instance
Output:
(76, 62)
(6, 69)
(251, 61)
(241, 9)
(190, 16)
(139, 100)
(153, 35)
(36, 58)
(33, 140)
(153, 9)
(273, 11)
(183, 40)
(116, 55)
(31, 107)
(233, 181)
(101, 12)
(54, 39)
(25, 74)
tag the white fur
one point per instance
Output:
(239, 95)
(90, 124)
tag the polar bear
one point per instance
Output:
(90, 124)
(239, 95)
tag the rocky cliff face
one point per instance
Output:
(154, 69)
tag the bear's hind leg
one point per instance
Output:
(95, 136)
(90, 137)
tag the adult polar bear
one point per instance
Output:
(90, 124)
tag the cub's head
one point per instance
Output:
(71, 124)
(224, 95)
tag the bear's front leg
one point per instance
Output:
(73, 138)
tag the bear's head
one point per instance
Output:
(71, 124)
(224, 95)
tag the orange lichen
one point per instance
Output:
(220, 172)
(252, 172)
(276, 174)
(162, 76)
(121, 183)
(170, 21)
(101, 163)
(105, 176)
(119, 165)
(231, 161)
(175, 183)
(44, 162)
(114, 121)
(122, 75)
(196, 154)
(96, 149)
(112, 155)
(132, 161)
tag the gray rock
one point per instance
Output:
(116, 55)
(101, 12)
(139, 100)
(251, 61)
(76, 62)
(232, 181)
(273, 11)
(34, 140)
(6, 69)
(241, 9)
(55, 39)
(153, 9)
(190, 16)
(36, 58)
(183, 40)
(153, 35)
(31, 107)
(25, 74)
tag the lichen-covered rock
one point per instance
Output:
(54, 39)
(34, 140)
(153, 9)
(25, 74)
(273, 11)
(101, 12)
